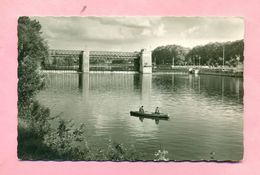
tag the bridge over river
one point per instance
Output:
(84, 60)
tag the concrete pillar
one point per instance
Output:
(84, 61)
(146, 62)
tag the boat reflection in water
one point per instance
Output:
(157, 119)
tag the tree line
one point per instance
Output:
(210, 54)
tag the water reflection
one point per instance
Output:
(84, 84)
(157, 120)
(210, 85)
(146, 86)
(205, 111)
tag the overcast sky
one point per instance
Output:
(135, 33)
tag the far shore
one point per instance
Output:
(167, 69)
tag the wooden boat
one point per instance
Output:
(149, 115)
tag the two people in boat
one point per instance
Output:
(141, 110)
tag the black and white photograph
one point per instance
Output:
(130, 88)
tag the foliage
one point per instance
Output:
(30, 81)
(161, 155)
(32, 117)
(33, 124)
(212, 54)
(69, 143)
(166, 54)
(65, 141)
(30, 41)
(120, 152)
(32, 50)
(66, 61)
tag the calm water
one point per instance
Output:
(206, 112)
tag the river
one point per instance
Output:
(206, 112)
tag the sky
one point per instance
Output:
(136, 33)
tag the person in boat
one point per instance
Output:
(157, 110)
(141, 109)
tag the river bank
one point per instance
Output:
(232, 72)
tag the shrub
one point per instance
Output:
(161, 155)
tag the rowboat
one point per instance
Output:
(149, 115)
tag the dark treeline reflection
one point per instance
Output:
(221, 86)
(216, 86)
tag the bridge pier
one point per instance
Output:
(146, 62)
(84, 61)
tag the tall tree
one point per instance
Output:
(32, 51)
(166, 54)
(212, 53)
(32, 117)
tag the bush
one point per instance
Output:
(70, 144)
(65, 140)
(161, 155)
